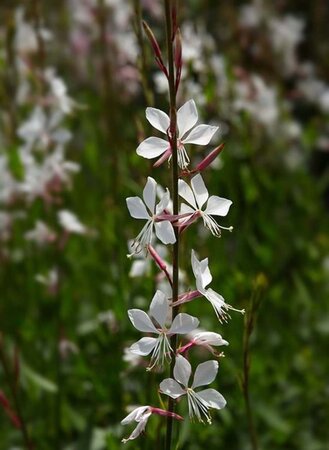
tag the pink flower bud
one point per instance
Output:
(209, 159)
(163, 412)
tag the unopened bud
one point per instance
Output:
(153, 41)
(209, 158)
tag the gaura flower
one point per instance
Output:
(196, 196)
(149, 211)
(203, 277)
(198, 402)
(155, 323)
(188, 133)
(141, 416)
(206, 339)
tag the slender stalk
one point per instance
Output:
(10, 378)
(250, 320)
(142, 62)
(175, 174)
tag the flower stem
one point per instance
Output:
(10, 377)
(142, 62)
(250, 320)
(169, 5)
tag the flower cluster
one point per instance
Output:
(160, 223)
(38, 137)
(166, 220)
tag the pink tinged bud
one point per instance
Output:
(160, 263)
(163, 412)
(186, 347)
(171, 217)
(156, 48)
(188, 222)
(178, 58)
(209, 159)
(166, 155)
(187, 297)
(157, 258)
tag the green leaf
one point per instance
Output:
(39, 380)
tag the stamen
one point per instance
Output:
(197, 406)
(182, 156)
(143, 239)
(161, 352)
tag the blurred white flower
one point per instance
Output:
(286, 33)
(41, 234)
(70, 222)
(259, 100)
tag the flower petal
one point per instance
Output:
(209, 337)
(187, 117)
(200, 191)
(165, 232)
(152, 147)
(205, 373)
(201, 272)
(141, 321)
(149, 194)
(182, 370)
(200, 135)
(184, 208)
(139, 428)
(218, 206)
(135, 415)
(159, 308)
(183, 323)
(163, 203)
(172, 388)
(137, 209)
(213, 398)
(158, 119)
(144, 346)
(186, 193)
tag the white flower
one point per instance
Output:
(198, 402)
(138, 209)
(207, 338)
(70, 222)
(41, 234)
(187, 117)
(155, 323)
(196, 196)
(203, 278)
(139, 415)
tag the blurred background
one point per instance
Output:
(75, 79)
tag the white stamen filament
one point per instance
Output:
(182, 156)
(144, 238)
(212, 225)
(161, 352)
(221, 310)
(196, 406)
